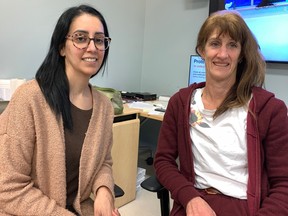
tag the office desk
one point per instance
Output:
(151, 116)
(125, 153)
(146, 108)
(126, 129)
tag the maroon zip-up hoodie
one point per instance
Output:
(267, 144)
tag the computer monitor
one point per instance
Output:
(196, 70)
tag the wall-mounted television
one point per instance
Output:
(197, 72)
(267, 19)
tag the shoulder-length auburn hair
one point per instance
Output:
(251, 66)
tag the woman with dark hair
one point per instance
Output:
(223, 144)
(56, 132)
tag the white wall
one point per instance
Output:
(26, 28)
(151, 42)
(277, 80)
(171, 28)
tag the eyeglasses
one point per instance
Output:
(81, 41)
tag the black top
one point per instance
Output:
(74, 141)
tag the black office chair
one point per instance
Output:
(118, 191)
(152, 184)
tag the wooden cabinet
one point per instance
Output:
(125, 154)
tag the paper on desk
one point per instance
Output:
(153, 112)
(146, 107)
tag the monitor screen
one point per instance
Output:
(196, 70)
(268, 20)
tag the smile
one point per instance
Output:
(221, 64)
(90, 59)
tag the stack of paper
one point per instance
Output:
(8, 87)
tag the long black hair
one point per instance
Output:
(51, 75)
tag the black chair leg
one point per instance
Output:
(163, 195)
(152, 184)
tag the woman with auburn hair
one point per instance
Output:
(223, 144)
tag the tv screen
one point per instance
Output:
(196, 70)
(267, 19)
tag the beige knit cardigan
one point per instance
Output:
(32, 156)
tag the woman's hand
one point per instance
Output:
(104, 203)
(199, 207)
(115, 212)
